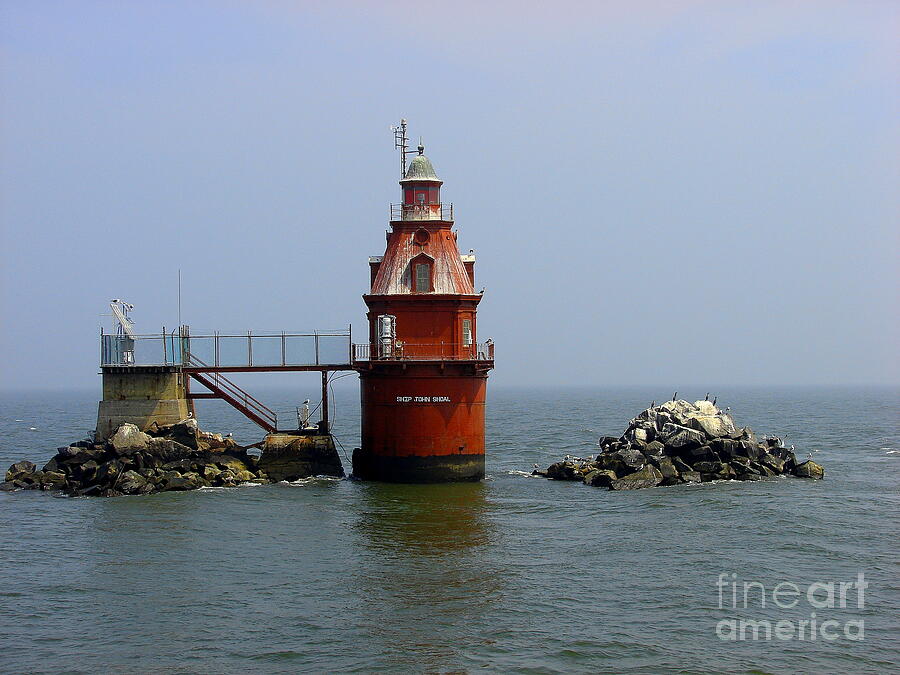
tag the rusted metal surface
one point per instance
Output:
(394, 275)
(422, 411)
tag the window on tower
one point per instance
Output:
(422, 282)
(467, 332)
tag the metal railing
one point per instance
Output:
(421, 212)
(227, 350)
(439, 351)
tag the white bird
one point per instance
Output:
(535, 466)
(229, 435)
(568, 458)
(792, 447)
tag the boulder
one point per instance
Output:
(762, 469)
(649, 476)
(706, 408)
(809, 469)
(133, 483)
(726, 448)
(749, 449)
(20, 470)
(680, 465)
(773, 462)
(108, 473)
(607, 441)
(677, 436)
(600, 478)
(655, 449)
(128, 439)
(564, 471)
(632, 458)
(610, 461)
(168, 450)
(84, 473)
(679, 410)
(704, 453)
(52, 480)
(712, 426)
(710, 467)
(186, 432)
(667, 468)
(691, 477)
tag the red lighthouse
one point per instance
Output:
(423, 374)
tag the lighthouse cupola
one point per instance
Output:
(421, 190)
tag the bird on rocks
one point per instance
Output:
(674, 396)
(535, 466)
(653, 404)
(229, 435)
(715, 398)
(707, 397)
(792, 447)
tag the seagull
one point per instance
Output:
(229, 435)
(535, 466)
(809, 455)
(792, 447)
(568, 458)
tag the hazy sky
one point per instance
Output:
(669, 193)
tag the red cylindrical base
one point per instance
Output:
(421, 422)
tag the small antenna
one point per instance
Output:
(179, 298)
(401, 142)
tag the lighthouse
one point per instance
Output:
(423, 373)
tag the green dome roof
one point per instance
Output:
(420, 169)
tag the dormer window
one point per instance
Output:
(421, 273)
(422, 282)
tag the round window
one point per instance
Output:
(421, 236)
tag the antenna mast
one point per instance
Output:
(401, 142)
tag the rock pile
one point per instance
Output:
(172, 457)
(682, 442)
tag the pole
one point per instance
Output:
(325, 420)
(179, 296)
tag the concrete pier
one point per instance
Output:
(295, 455)
(141, 395)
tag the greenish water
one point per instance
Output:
(513, 574)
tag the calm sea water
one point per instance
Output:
(514, 574)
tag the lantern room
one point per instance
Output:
(421, 190)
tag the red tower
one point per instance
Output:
(423, 374)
